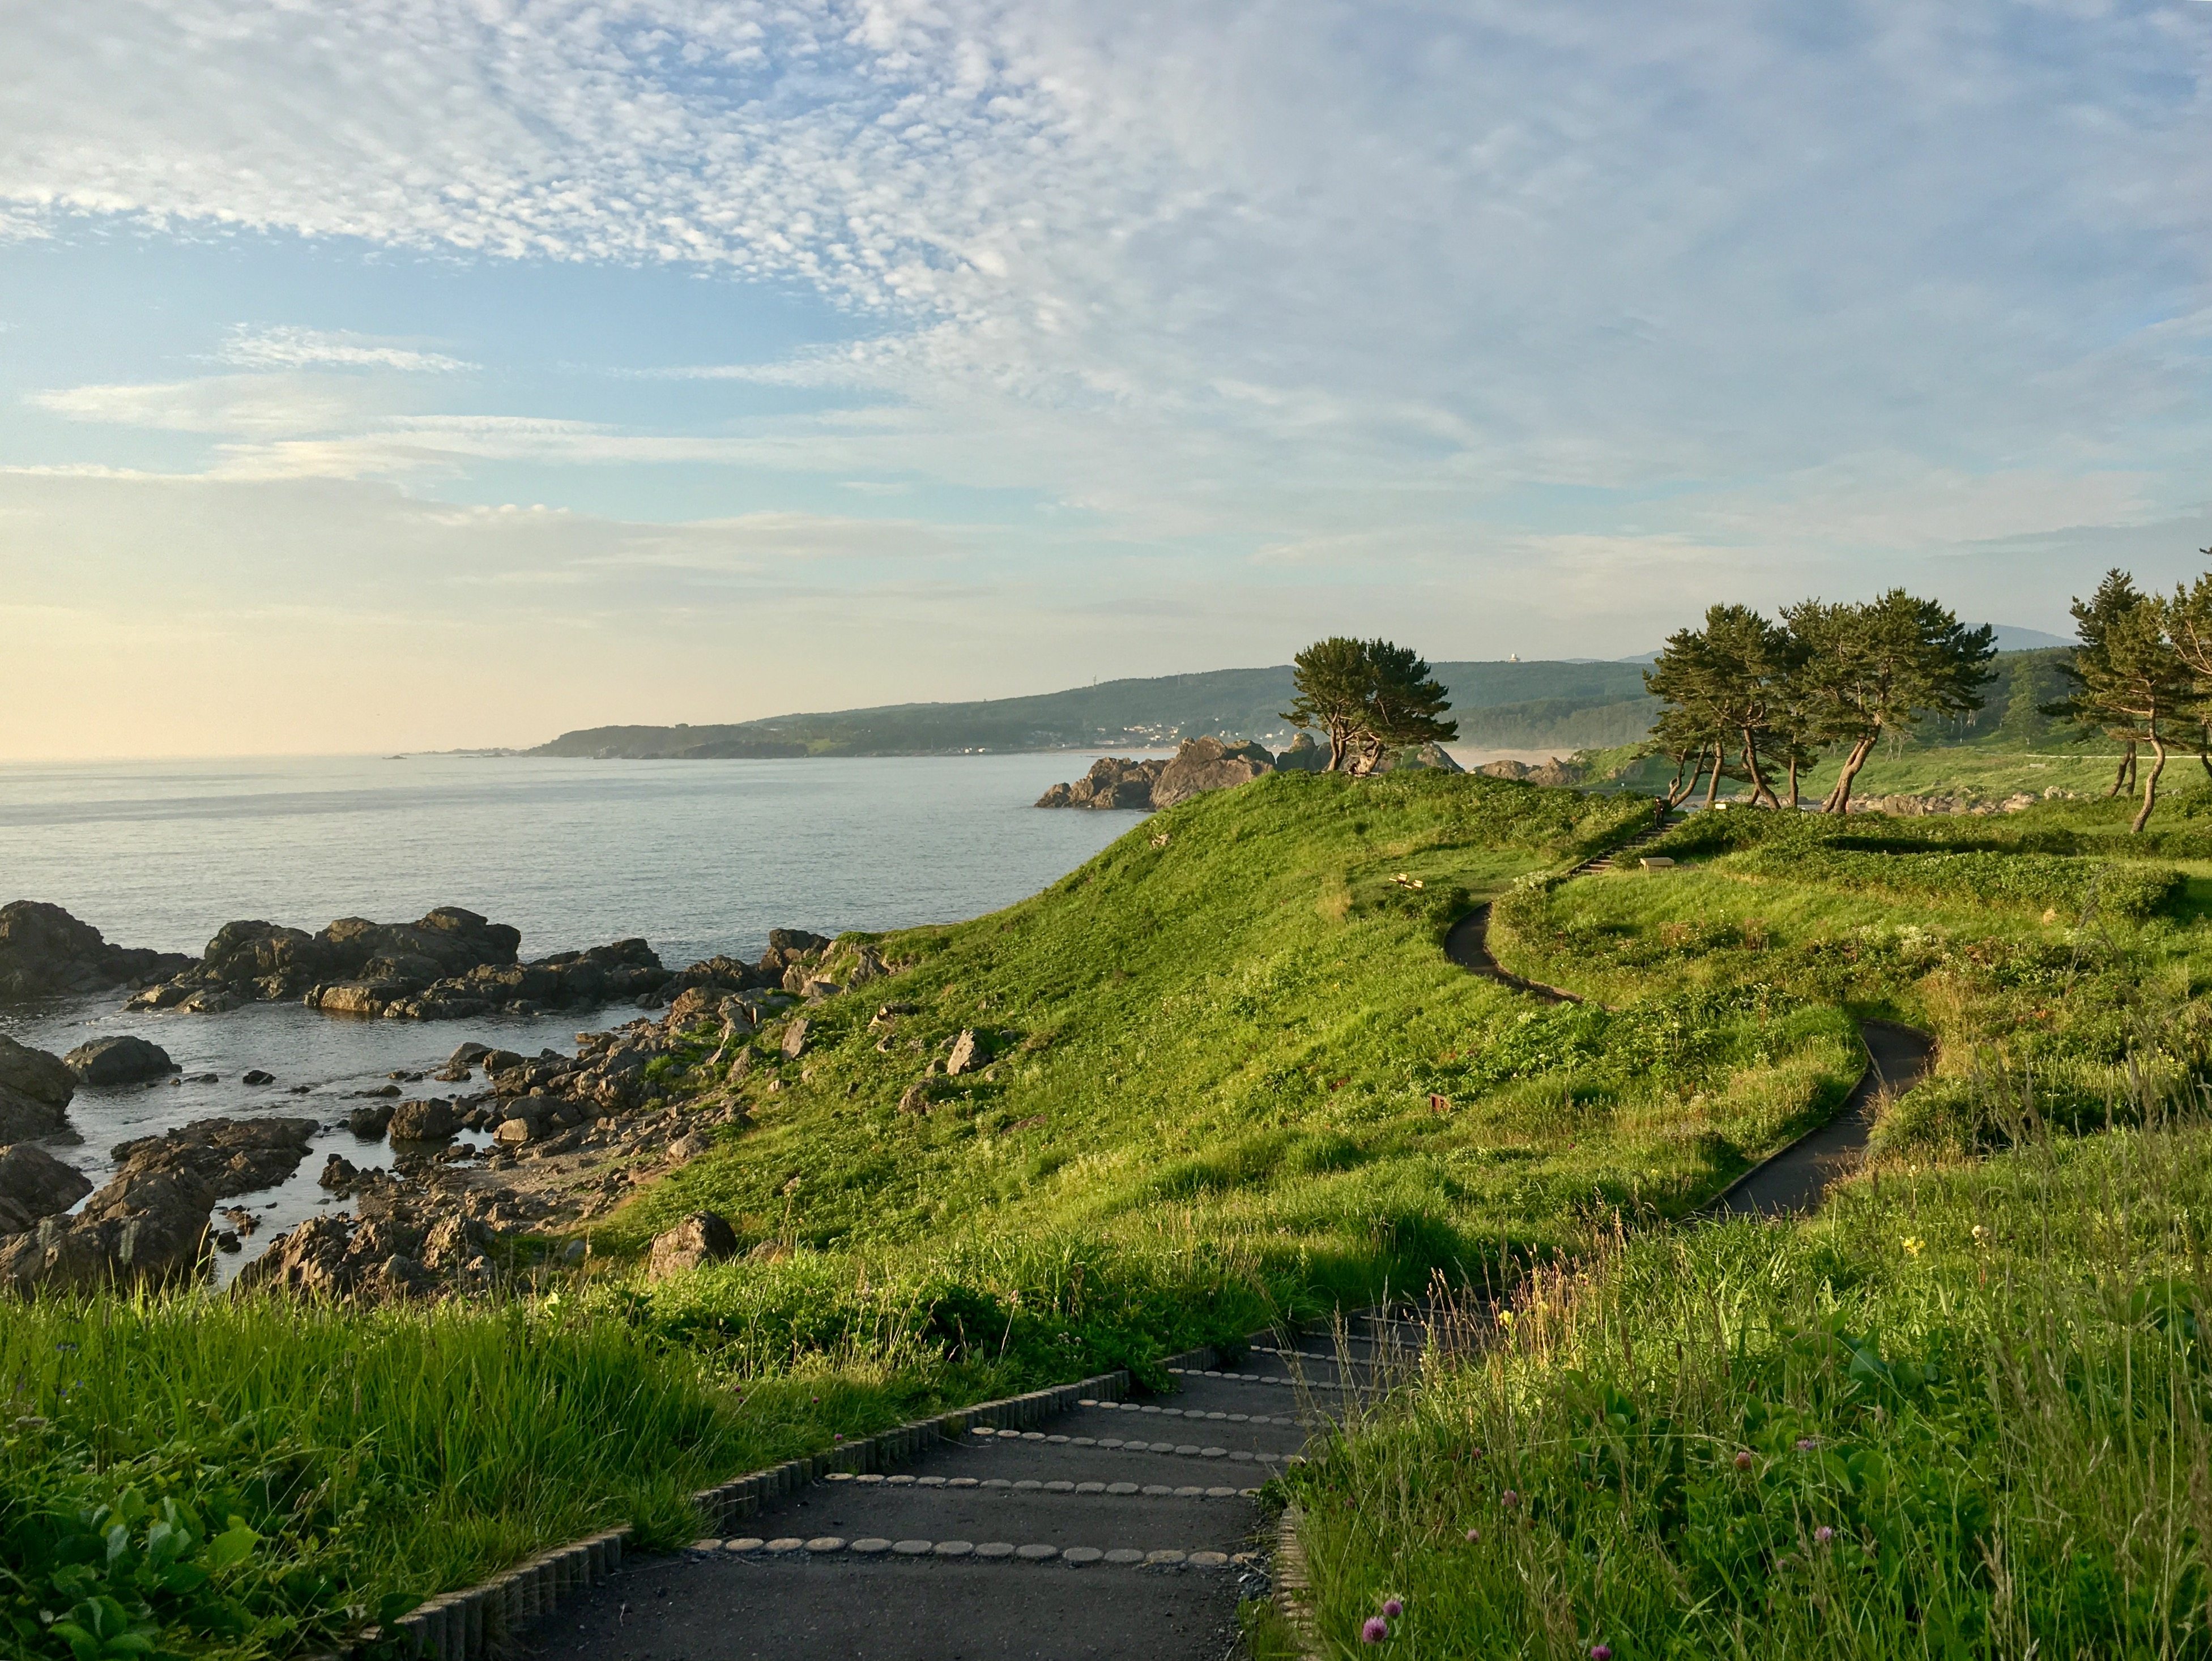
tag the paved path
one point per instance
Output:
(1795, 1179)
(1118, 1532)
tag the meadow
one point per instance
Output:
(1224, 1075)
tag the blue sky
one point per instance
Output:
(410, 374)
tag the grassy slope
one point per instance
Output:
(2007, 1458)
(1228, 1043)
(1890, 1432)
(1211, 1102)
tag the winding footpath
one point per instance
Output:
(1795, 1179)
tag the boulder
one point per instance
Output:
(794, 1037)
(47, 952)
(1303, 756)
(311, 1259)
(1209, 764)
(466, 1056)
(1504, 768)
(230, 1155)
(969, 1053)
(144, 1229)
(370, 1123)
(35, 1088)
(1431, 756)
(702, 1238)
(120, 1060)
(33, 1184)
(433, 1120)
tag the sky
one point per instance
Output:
(423, 373)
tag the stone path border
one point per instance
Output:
(464, 1626)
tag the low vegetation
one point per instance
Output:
(1891, 1431)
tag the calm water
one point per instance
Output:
(697, 856)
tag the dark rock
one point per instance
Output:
(120, 1060)
(255, 1076)
(230, 1156)
(202, 1078)
(449, 962)
(35, 1088)
(45, 953)
(466, 1056)
(702, 1238)
(1303, 756)
(339, 1173)
(145, 1228)
(1209, 764)
(227, 1241)
(33, 1184)
(424, 1121)
(499, 1061)
(1112, 782)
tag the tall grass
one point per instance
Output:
(1966, 1412)
(369, 1454)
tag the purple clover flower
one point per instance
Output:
(1375, 1631)
(1822, 1534)
(1393, 1607)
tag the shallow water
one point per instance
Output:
(697, 856)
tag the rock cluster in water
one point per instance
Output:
(446, 965)
(149, 1224)
(1200, 765)
(47, 952)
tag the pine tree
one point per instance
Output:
(2128, 676)
(1878, 668)
(1404, 705)
(1334, 679)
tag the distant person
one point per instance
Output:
(1659, 813)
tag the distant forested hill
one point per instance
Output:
(1561, 706)
(1503, 706)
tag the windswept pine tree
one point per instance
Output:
(1369, 698)
(2128, 677)
(1876, 668)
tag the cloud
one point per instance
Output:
(311, 349)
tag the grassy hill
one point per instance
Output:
(1952, 1414)
(1503, 706)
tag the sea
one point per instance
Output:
(696, 856)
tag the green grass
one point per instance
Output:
(372, 1455)
(1232, 1077)
(1244, 1041)
(1894, 1431)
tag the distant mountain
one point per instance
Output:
(1506, 706)
(2012, 638)
(1547, 704)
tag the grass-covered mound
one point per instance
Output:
(1233, 1039)
(1963, 1412)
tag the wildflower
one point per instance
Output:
(1472, 1534)
(1508, 1498)
(837, 1435)
(1393, 1607)
(1981, 1235)
(1912, 1245)
(1743, 1460)
(1822, 1534)
(1600, 1652)
(1807, 1444)
(1375, 1631)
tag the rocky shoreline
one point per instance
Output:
(455, 1212)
